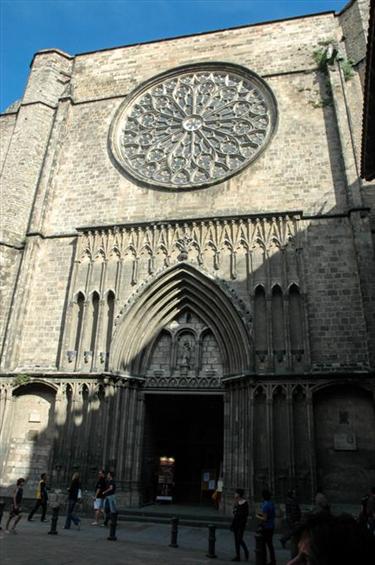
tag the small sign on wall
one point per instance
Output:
(34, 417)
(345, 442)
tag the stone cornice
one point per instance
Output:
(269, 215)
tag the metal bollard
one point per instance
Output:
(2, 506)
(174, 532)
(55, 514)
(112, 527)
(260, 550)
(211, 541)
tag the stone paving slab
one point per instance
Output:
(137, 544)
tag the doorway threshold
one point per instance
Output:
(189, 515)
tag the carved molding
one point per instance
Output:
(191, 238)
(181, 382)
(179, 288)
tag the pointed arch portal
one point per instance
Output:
(178, 289)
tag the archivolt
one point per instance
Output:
(179, 288)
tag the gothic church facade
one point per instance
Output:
(188, 264)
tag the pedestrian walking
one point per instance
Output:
(267, 523)
(74, 496)
(109, 493)
(292, 516)
(99, 497)
(41, 499)
(240, 516)
(15, 510)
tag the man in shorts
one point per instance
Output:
(99, 497)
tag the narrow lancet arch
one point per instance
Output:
(78, 307)
(110, 299)
(295, 319)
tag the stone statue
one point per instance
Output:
(186, 353)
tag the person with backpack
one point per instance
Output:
(41, 499)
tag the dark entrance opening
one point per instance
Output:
(188, 428)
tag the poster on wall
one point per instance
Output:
(208, 483)
(165, 479)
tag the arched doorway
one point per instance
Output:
(30, 433)
(180, 337)
(345, 442)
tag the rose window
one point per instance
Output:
(194, 126)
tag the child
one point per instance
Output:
(15, 511)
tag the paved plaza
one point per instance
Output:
(137, 543)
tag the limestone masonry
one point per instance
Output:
(187, 265)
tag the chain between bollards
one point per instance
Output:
(174, 532)
(55, 515)
(260, 550)
(211, 541)
(112, 527)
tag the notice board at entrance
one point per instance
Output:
(208, 480)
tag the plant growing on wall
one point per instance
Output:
(21, 379)
(320, 58)
(327, 54)
(347, 68)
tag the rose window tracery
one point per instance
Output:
(193, 127)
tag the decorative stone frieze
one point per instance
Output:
(191, 239)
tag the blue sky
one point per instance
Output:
(76, 26)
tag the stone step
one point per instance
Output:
(183, 521)
(199, 519)
(172, 513)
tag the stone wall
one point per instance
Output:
(6, 130)
(115, 72)
(41, 305)
(9, 264)
(335, 308)
(354, 24)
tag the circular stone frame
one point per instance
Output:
(193, 126)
